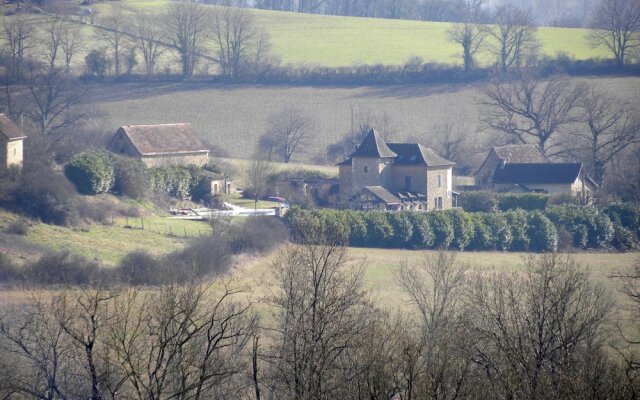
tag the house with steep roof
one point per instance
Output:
(163, 144)
(552, 178)
(512, 153)
(11, 144)
(396, 176)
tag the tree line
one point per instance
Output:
(541, 332)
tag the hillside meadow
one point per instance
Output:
(336, 41)
(232, 117)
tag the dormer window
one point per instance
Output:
(365, 169)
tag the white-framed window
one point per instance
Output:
(439, 180)
(365, 169)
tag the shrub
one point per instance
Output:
(7, 270)
(462, 228)
(140, 268)
(543, 236)
(423, 236)
(205, 257)
(523, 201)
(18, 227)
(442, 229)
(129, 177)
(500, 231)
(482, 238)
(336, 226)
(625, 214)
(402, 229)
(47, 195)
(91, 172)
(358, 228)
(589, 227)
(478, 201)
(96, 63)
(61, 268)
(379, 230)
(258, 234)
(518, 224)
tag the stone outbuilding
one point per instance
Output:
(163, 144)
(551, 178)
(396, 176)
(512, 153)
(11, 143)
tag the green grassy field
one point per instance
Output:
(334, 41)
(106, 244)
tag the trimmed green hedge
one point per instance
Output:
(516, 230)
(91, 172)
(482, 201)
(100, 171)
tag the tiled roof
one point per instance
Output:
(416, 154)
(520, 153)
(383, 194)
(9, 129)
(537, 173)
(163, 139)
(373, 146)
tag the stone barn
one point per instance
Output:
(11, 143)
(164, 144)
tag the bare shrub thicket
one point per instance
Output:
(172, 342)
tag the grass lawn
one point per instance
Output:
(107, 244)
(380, 265)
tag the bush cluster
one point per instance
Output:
(100, 171)
(204, 257)
(618, 226)
(453, 229)
(483, 201)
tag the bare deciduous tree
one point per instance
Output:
(257, 175)
(613, 126)
(186, 26)
(112, 33)
(617, 24)
(532, 108)
(287, 132)
(71, 43)
(234, 35)
(321, 313)
(513, 36)
(19, 36)
(530, 327)
(55, 100)
(435, 289)
(470, 34)
(149, 38)
(54, 29)
(451, 138)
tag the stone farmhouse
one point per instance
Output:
(11, 144)
(396, 176)
(523, 168)
(164, 144)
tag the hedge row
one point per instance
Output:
(100, 171)
(484, 201)
(514, 230)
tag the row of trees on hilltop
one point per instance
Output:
(541, 332)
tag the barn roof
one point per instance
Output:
(417, 154)
(373, 146)
(9, 130)
(383, 194)
(537, 173)
(163, 139)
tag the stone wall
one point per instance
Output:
(184, 159)
(11, 153)
(417, 175)
(345, 180)
(484, 174)
(378, 173)
(434, 190)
